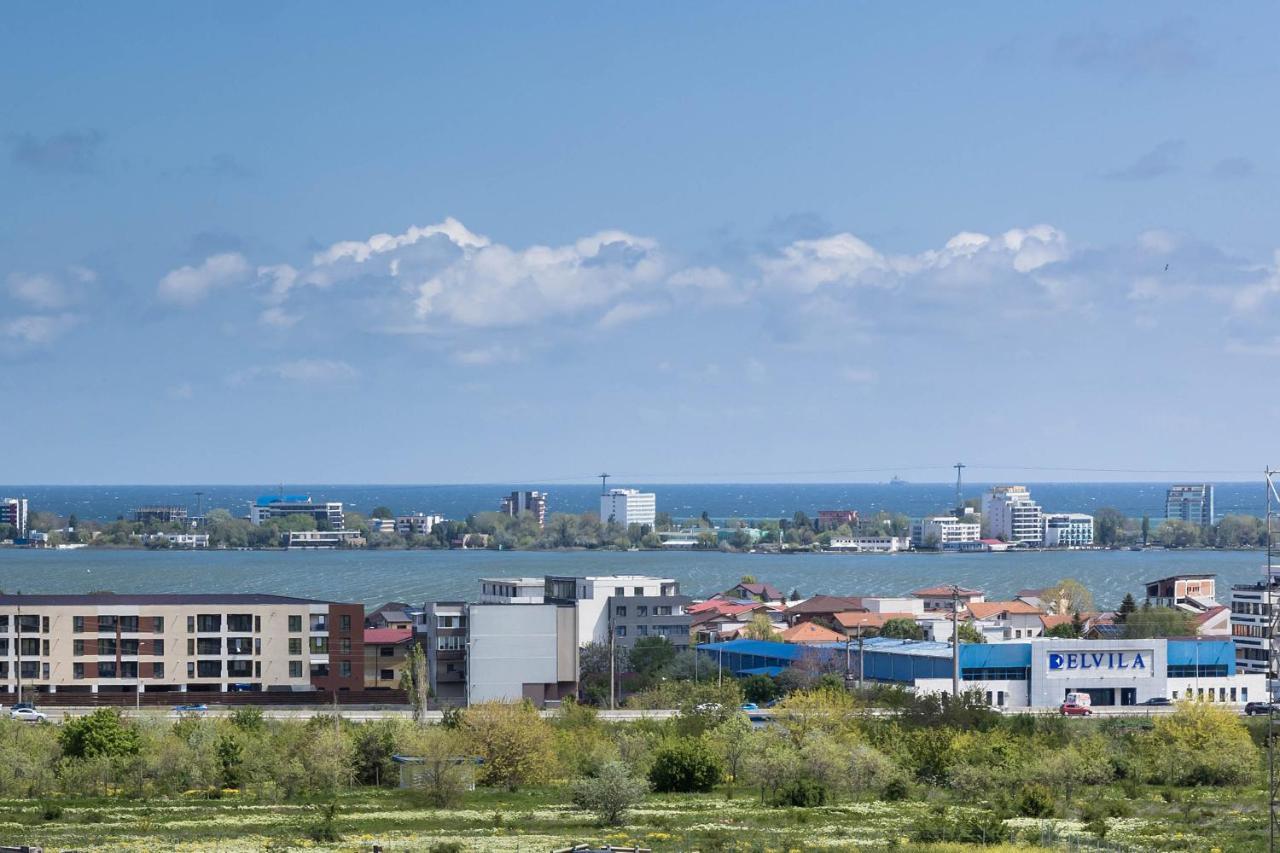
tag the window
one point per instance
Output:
(157, 625)
(44, 648)
(620, 590)
(344, 668)
(4, 624)
(208, 623)
(295, 624)
(129, 669)
(295, 645)
(191, 669)
(191, 647)
(642, 610)
(241, 623)
(157, 648)
(257, 645)
(77, 625)
(620, 611)
(344, 622)
(662, 610)
(106, 669)
(344, 645)
(319, 645)
(77, 647)
(239, 645)
(450, 644)
(642, 630)
(191, 624)
(28, 624)
(129, 647)
(240, 668)
(319, 622)
(209, 668)
(386, 651)
(257, 624)
(1207, 670)
(319, 670)
(209, 646)
(448, 621)
(622, 630)
(107, 624)
(44, 629)
(129, 623)
(638, 590)
(29, 647)
(995, 673)
(107, 647)
(295, 669)
(157, 669)
(386, 674)
(257, 669)
(77, 670)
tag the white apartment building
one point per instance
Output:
(1251, 622)
(592, 596)
(946, 530)
(418, 524)
(1067, 529)
(512, 590)
(1011, 515)
(629, 506)
(13, 511)
(1192, 503)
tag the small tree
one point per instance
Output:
(414, 681)
(760, 628)
(902, 629)
(610, 792)
(513, 740)
(684, 765)
(102, 733)
(970, 634)
(1127, 606)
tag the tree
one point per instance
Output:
(969, 634)
(1127, 606)
(650, 655)
(1068, 596)
(733, 739)
(445, 771)
(1108, 526)
(1199, 744)
(382, 512)
(414, 681)
(759, 688)
(760, 628)
(101, 733)
(610, 792)
(1158, 622)
(1176, 533)
(685, 765)
(513, 741)
(1064, 630)
(902, 628)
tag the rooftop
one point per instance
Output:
(387, 636)
(111, 598)
(939, 591)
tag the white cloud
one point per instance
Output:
(362, 250)
(302, 371)
(37, 329)
(626, 312)
(859, 375)
(189, 285)
(492, 354)
(38, 291)
(278, 317)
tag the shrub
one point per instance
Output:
(104, 732)
(248, 719)
(1034, 800)
(447, 847)
(610, 792)
(684, 765)
(759, 688)
(896, 790)
(802, 793)
(325, 829)
(50, 811)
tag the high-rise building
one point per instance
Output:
(628, 506)
(1192, 503)
(518, 503)
(1067, 529)
(944, 531)
(1010, 514)
(13, 511)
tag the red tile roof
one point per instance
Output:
(387, 636)
(808, 632)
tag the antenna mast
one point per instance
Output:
(604, 481)
(959, 466)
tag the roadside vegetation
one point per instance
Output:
(833, 771)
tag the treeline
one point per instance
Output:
(1111, 527)
(825, 746)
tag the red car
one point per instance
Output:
(1070, 709)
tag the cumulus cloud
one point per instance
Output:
(37, 329)
(38, 291)
(190, 284)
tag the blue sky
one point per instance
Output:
(522, 242)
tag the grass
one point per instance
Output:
(538, 820)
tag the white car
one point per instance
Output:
(31, 715)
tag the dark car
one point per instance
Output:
(1256, 708)
(1158, 700)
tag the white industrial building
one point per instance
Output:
(869, 544)
(629, 506)
(947, 531)
(524, 651)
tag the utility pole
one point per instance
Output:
(200, 506)
(959, 466)
(604, 483)
(18, 650)
(955, 641)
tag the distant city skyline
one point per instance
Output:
(718, 243)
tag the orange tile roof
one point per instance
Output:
(808, 632)
(387, 636)
(939, 591)
(857, 620)
(988, 609)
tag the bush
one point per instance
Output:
(248, 719)
(896, 790)
(759, 688)
(50, 811)
(684, 765)
(104, 732)
(610, 792)
(1034, 800)
(447, 847)
(325, 829)
(801, 793)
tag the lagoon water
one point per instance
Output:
(372, 577)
